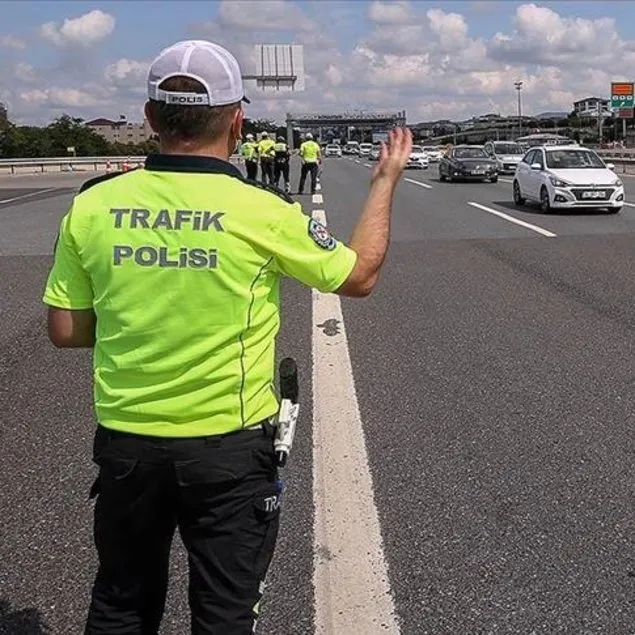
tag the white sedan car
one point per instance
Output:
(333, 150)
(567, 177)
(418, 159)
(434, 154)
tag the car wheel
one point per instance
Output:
(518, 199)
(441, 177)
(545, 204)
(494, 179)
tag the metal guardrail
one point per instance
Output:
(625, 157)
(71, 164)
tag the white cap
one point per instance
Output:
(264, 134)
(250, 136)
(309, 135)
(211, 65)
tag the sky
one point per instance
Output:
(435, 60)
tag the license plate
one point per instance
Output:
(478, 171)
(593, 194)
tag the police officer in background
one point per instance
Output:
(266, 152)
(249, 151)
(281, 165)
(310, 154)
(171, 274)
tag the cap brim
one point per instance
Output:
(246, 100)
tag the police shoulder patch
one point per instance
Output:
(321, 235)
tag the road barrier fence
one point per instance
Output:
(621, 157)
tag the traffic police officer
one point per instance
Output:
(249, 151)
(172, 274)
(281, 165)
(266, 152)
(310, 153)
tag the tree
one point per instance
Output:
(4, 117)
(68, 131)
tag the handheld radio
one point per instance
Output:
(289, 408)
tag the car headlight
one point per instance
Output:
(618, 183)
(557, 182)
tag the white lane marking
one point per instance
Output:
(429, 187)
(17, 198)
(367, 165)
(629, 204)
(505, 180)
(511, 219)
(318, 198)
(352, 592)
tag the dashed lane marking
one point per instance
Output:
(19, 198)
(511, 219)
(419, 183)
(318, 198)
(352, 592)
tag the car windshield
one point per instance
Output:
(332, 147)
(507, 148)
(417, 149)
(469, 153)
(581, 159)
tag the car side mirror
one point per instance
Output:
(536, 166)
(610, 166)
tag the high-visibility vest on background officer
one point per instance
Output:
(281, 164)
(266, 153)
(172, 273)
(249, 152)
(310, 154)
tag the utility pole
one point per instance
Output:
(518, 86)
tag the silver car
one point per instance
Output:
(507, 155)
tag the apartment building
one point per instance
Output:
(121, 131)
(589, 106)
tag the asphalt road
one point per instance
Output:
(494, 377)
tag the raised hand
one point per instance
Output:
(394, 155)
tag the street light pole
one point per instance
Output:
(518, 86)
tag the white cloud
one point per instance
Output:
(450, 29)
(59, 97)
(397, 12)
(256, 15)
(24, 72)
(86, 30)
(12, 42)
(127, 71)
(542, 36)
(429, 62)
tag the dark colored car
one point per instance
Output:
(467, 163)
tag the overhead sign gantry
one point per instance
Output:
(364, 120)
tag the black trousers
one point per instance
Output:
(281, 169)
(308, 168)
(224, 496)
(252, 170)
(266, 170)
